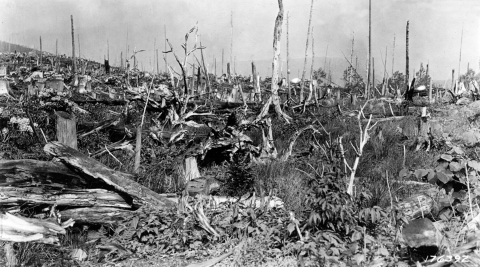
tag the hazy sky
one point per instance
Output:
(435, 28)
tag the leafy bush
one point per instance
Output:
(239, 180)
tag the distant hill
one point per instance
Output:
(6, 47)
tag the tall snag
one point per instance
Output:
(407, 78)
(277, 34)
(367, 88)
(74, 65)
(302, 85)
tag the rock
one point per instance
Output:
(416, 206)
(469, 138)
(422, 237)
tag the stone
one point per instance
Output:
(416, 206)
(422, 237)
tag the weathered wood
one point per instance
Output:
(96, 215)
(191, 169)
(11, 196)
(138, 149)
(95, 169)
(66, 129)
(18, 229)
(27, 172)
(74, 65)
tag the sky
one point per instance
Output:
(435, 30)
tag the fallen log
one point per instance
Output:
(28, 172)
(95, 169)
(11, 196)
(96, 215)
(18, 229)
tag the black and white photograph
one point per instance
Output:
(239, 133)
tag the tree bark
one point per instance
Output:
(275, 66)
(16, 196)
(74, 63)
(407, 67)
(19, 229)
(367, 91)
(66, 129)
(138, 149)
(97, 215)
(96, 170)
(302, 85)
(288, 67)
(191, 169)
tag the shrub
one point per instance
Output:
(239, 180)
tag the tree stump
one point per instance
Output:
(191, 169)
(66, 129)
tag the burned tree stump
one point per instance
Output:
(66, 129)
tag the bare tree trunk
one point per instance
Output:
(302, 85)
(313, 81)
(205, 71)
(74, 65)
(288, 67)
(228, 73)
(158, 69)
(231, 47)
(165, 37)
(430, 88)
(453, 79)
(277, 34)
(79, 56)
(407, 67)
(138, 149)
(373, 75)
(385, 79)
(310, 93)
(41, 52)
(367, 90)
(460, 58)
(254, 81)
(351, 61)
(199, 79)
(393, 55)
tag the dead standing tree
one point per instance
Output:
(183, 66)
(302, 85)
(277, 35)
(178, 117)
